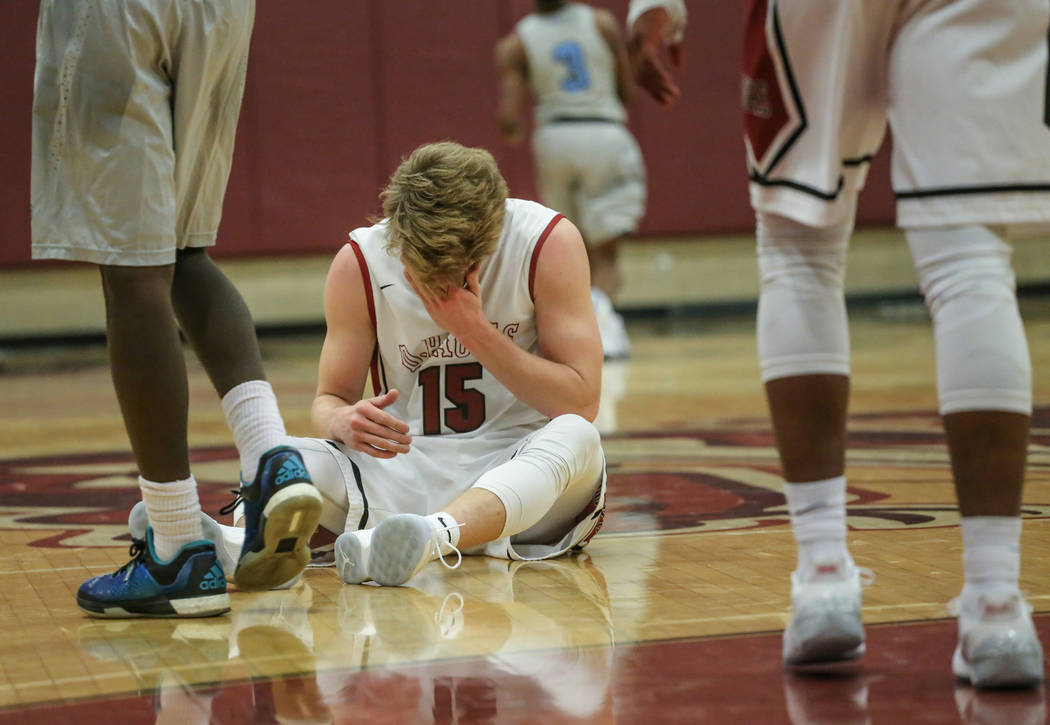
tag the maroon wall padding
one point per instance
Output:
(338, 95)
(17, 57)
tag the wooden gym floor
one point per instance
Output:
(673, 614)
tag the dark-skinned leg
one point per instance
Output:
(219, 326)
(149, 375)
(984, 389)
(216, 321)
(988, 451)
(809, 421)
(148, 368)
(803, 346)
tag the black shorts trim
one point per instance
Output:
(796, 96)
(811, 190)
(859, 161)
(963, 190)
(1046, 93)
(360, 486)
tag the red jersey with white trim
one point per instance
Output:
(444, 391)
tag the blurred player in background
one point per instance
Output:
(134, 115)
(963, 85)
(571, 58)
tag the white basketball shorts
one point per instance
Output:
(134, 114)
(963, 84)
(592, 172)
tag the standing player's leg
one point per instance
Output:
(985, 391)
(102, 193)
(535, 496)
(803, 343)
(610, 196)
(282, 507)
(964, 178)
(808, 144)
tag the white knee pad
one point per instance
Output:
(802, 326)
(552, 477)
(982, 354)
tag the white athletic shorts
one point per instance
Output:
(435, 472)
(963, 84)
(134, 115)
(593, 173)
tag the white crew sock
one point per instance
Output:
(174, 514)
(991, 553)
(818, 518)
(255, 420)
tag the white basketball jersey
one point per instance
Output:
(444, 391)
(572, 71)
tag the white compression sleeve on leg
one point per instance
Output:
(551, 479)
(802, 325)
(982, 354)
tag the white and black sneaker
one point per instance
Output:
(825, 622)
(351, 556)
(998, 646)
(403, 544)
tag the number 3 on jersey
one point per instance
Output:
(570, 54)
(468, 412)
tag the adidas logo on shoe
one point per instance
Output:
(290, 469)
(213, 578)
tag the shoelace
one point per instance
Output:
(228, 508)
(137, 551)
(438, 545)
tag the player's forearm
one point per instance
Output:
(550, 387)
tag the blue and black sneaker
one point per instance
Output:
(190, 585)
(281, 512)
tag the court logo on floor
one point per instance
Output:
(684, 482)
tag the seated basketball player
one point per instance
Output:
(472, 312)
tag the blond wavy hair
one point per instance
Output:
(444, 207)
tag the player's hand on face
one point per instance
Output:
(459, 310)
(365, 426)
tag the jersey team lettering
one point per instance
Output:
(445, 347)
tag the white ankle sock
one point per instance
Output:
(991, 553)
(818, 517)
(255, 420)
(449, 528)
(174, 514)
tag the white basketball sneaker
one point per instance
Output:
(825, 622)
(351, 556)
(998, 646)
(402, 545)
